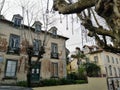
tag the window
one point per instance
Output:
(112, 60)
(117, 60)
(54, 47)
(106, 71)
(96, 59)
(54, 50)
(17, 22)
(1, 59)
(37, 28)
(54, 32)
(108, 59)
(54, 69)
(14, 44)
(36, 46)
(115, 71)
(110, 70)
(11, 67)
(119, 71)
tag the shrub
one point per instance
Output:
(22, 83)
(54, 82)
(49, 82)
(80, 81)
(73, 76)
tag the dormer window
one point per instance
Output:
(37, 25)
(17, 22)
(53, 30)
(17, 19)
(37, 28)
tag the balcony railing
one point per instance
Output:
(54, 55)
(36, 52)
(11, 50)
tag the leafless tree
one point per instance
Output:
(2, 2)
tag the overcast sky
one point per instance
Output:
(67, 26)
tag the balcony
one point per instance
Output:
(11, 50)
(54, 55)
(35, 52)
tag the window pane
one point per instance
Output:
(54, 69)
(54, 48)
(117, 60)
(108, 60)
(37, 28)
(11, 68)
(112, 60)
(14, 41)
(96, 59)
(1, 59)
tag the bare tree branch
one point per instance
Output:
(65, 8)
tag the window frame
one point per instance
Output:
(54, 73)
(119, 70)
(17, 22)
(113, 60)
(110, 70)
(37, 27)
(108, 58)
(54, 51)
(36, 41)
(117, 61)
(115, 71)
(96, 59)
(54, 32)
(15, 73)
(11, 49)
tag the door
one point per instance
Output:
(35, 72)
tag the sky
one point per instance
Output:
(68, 25)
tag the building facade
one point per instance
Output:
(77, 58)
(14, 39)
(109, 63)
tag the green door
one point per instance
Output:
(35, 73)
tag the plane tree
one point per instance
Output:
(107, 9)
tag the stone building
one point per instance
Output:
(15, 37)
(109, 63)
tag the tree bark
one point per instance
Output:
(65, 8)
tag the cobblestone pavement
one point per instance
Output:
(13, 88)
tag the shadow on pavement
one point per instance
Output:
(14, 88)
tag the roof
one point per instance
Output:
(27, 27)
(92, 49)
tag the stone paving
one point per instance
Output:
(14, 88)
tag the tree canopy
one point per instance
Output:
(108, 9)
(92, 69)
